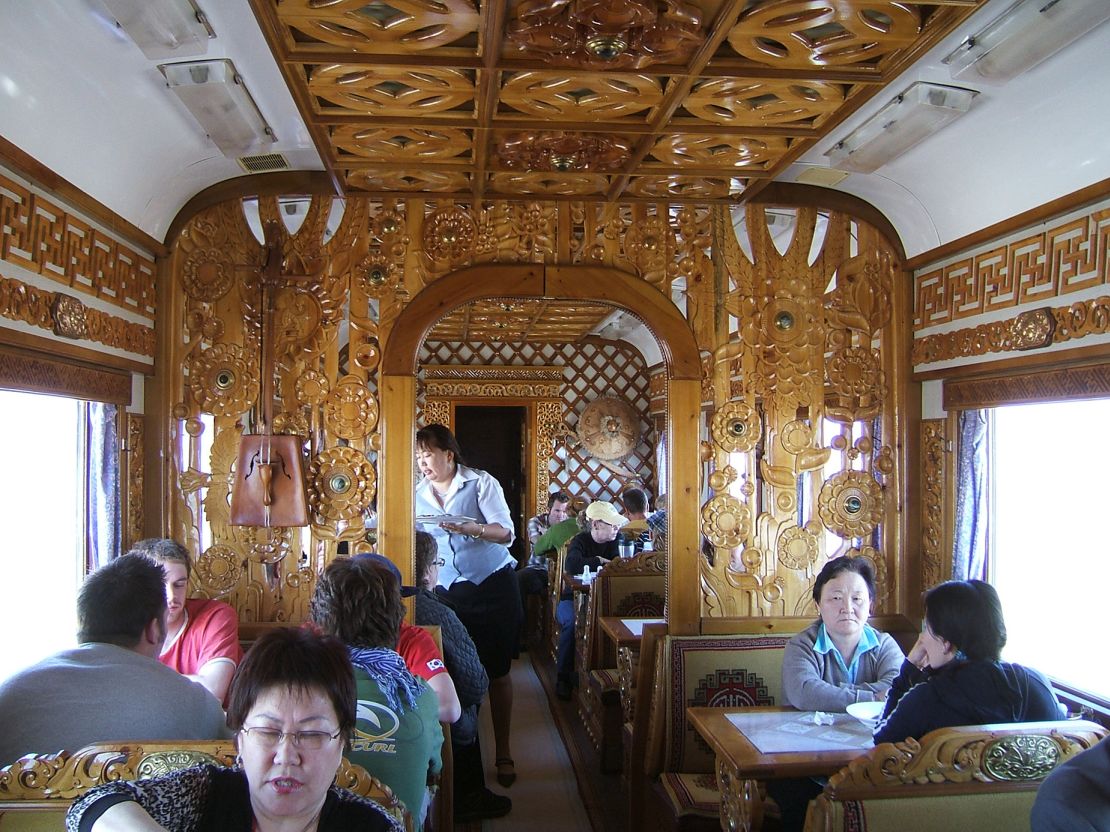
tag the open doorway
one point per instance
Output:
(493, 439)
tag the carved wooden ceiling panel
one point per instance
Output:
(683, 99)
(515, 320)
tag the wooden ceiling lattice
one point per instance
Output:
(707, 99)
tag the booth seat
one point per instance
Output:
(37, 790)
(981, 777)
(673, 784)
(628, 588)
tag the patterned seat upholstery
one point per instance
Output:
(707, 670)
(982, 777)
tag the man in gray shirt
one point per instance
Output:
(111, 686)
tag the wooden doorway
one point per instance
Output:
(492, 437)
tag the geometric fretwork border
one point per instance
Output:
(1090, 382)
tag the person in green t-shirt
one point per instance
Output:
(397, 736)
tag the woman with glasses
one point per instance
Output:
(478, 575)
(954, 675)
(293, 706)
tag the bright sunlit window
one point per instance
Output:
(41, 497)
(1050, 552)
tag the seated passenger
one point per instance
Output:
(840, 659)
(558, 508)
(111, 686)
(202, 635)
(293, 706)
(635, 508)
(953, 674)
(473, 801)
(592, 548)
(396, 734)
(1076, 796)
(419, 650)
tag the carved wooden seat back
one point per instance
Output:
(981, 777)
(48, 783)
(555, 588)
(628, 587)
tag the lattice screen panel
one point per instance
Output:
(592, 370)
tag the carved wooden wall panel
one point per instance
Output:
(813, 419)
(38, 235)
(39, 374)
(135, 477)
(1052, 261)
(1046, 386)
(807, 352)
(936, 502)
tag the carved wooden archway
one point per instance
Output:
(586, 283)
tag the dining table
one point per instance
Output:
(625, 632)
(767, 742)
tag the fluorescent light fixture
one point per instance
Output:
(163, 28)
(920, 110)
(216, 96)
(1021, 37)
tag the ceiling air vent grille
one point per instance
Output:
(263, 163)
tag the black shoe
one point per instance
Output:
(481, 805)
(563, 689)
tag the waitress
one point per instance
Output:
(478, 577)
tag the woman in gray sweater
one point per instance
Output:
(840, 658)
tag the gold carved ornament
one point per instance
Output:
(341, 484)
(736, 427)
(607, 33)
(803, 33)
(608, 428)
(219, 569)
(391, 92)
(205, 275)
(410, 180)
(725, 521)
(350, 411)
(746, 103)
(549, 184)
(223, 379)
(561, 151)
(449, 234)
(680, 149)
(408, 25)
(401, 145)
(850, 503)
(69, 317)
(582, 96)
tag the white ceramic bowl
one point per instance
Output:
(867, 712)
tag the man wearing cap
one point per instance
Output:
(593, 547)
(419, 650)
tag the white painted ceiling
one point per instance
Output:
(83, 100)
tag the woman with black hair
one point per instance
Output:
(478, 576)
(954, 674)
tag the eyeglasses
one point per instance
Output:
(305, 740)
(440, 562)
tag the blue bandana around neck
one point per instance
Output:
(388, 670)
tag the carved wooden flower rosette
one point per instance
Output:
(851, 503)
(341, 484)
(560, 151)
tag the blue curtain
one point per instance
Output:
(102, 497)
(969, 550)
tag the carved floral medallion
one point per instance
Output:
(561, 151)
(341, 484)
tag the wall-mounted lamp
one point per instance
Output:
(1022, 36)
(920, 110)
(217, 97)
(163, 28)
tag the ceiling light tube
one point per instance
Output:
(1022, 36)
(163, 28)
(219, 100)
(919, 111)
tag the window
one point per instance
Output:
(1048, 550)
(43, 499)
